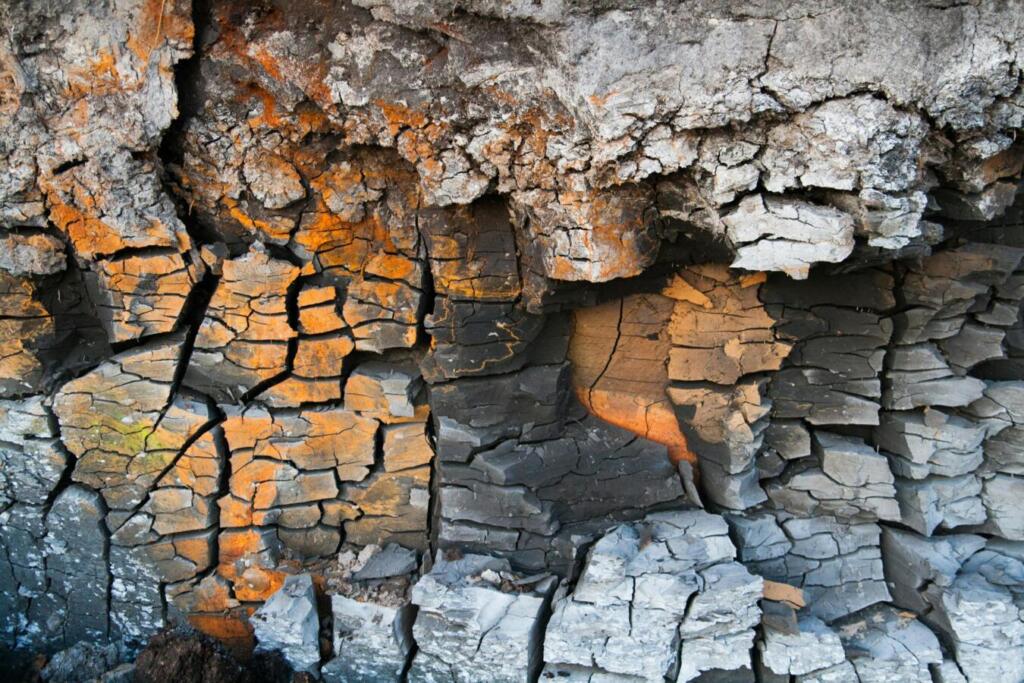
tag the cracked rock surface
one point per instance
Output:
(467, 340)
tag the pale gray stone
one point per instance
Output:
(815, 646)
(645, 586)
(885, 645)
(288, 623)
(470, 626)
(788, 235)
(984, 626)
(372, 642)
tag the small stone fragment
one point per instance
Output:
(288, 623)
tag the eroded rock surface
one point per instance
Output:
(407, 339)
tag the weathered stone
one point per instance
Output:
(31, 254)
(387, 392)
(318, 310)
(1001, 495)
(23, 576)
(25, 326)
(839, 330)
(373, 641)
(913, 563)
(83, 662)
(815, 646)
(114, 202)
(837, 564)
(934, 502)
(466, 416)
(469, 624)
(526, 492)
(588, 235)
(981, 622)
(846, 144)
(930, 442)
(32, 460)
(141, 295)
(725, 427)
(644, 581)
(618, 352)
(719, 329)
(288, 623)
(243, 340)
(758, 537)
(846, 477)
(471, 338)
(787, 235)
(316, 375)
(390, 506)
(123, 423)
(884, 644)
(491, 163)
(472, 252)
(75, 601)
(383, 314)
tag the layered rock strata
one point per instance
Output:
(467, 340)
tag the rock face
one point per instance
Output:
(464, 340)
(660, 597)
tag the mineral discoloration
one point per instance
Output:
(440, 320)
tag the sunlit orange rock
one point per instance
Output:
(144, 294)
(243, 340)
(720, 330)
(619, 352)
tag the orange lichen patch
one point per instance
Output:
(91, 236)
(595, 236)
(293, 391)
(255, 45)
(158, 21)
(87, 203)
(362, 216)
(245, 561)
(249, 303)
(341, 244)
(312, 439)
(233, 631)
(681, 290)
(195, 549)
(618, 351)
(720, 330)
(383, 314)
(198, 468)
(142, 295)
(400, 116)
(318, 311)
(100, 76)
(277, 231)
(321, 356)
(394, 267)
(394, 507)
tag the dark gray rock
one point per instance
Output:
(76, 601)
